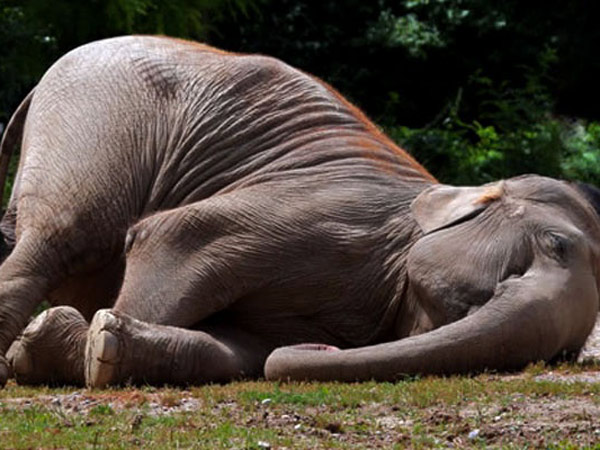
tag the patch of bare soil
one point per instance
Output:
(521, 422)
(154, 404)
(517, 419)
(536, 422)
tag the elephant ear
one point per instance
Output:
(440, 206)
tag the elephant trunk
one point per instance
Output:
(533, 317)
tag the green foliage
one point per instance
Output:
(406, 31)
(35, 33)
(520, 134)
(476, 89)
(183, 18)
(101, 410)
(23, 57)
(582, 156)
(73, 23)
(472, 154)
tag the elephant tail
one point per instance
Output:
(12, 138)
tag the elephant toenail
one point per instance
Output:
(36, 323)
(108, 347)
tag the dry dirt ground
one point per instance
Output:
(521, 421)
(539, 419)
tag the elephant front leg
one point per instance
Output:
(123, 349)
(51, 348)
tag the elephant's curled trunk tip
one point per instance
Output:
(282, 360)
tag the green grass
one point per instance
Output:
(486, 410)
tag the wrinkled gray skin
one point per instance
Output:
(224, 206)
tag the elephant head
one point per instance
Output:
(508, 273)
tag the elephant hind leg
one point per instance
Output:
(25, 277)
(51, 348)
(122, 349)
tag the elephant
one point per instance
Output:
(194, 215)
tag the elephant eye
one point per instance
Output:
(558, 245)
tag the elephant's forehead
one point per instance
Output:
(551, 202)
(537, 188)
(544, 191)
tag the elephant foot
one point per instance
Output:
(50, 349)
(121, 349)
(104, 351)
